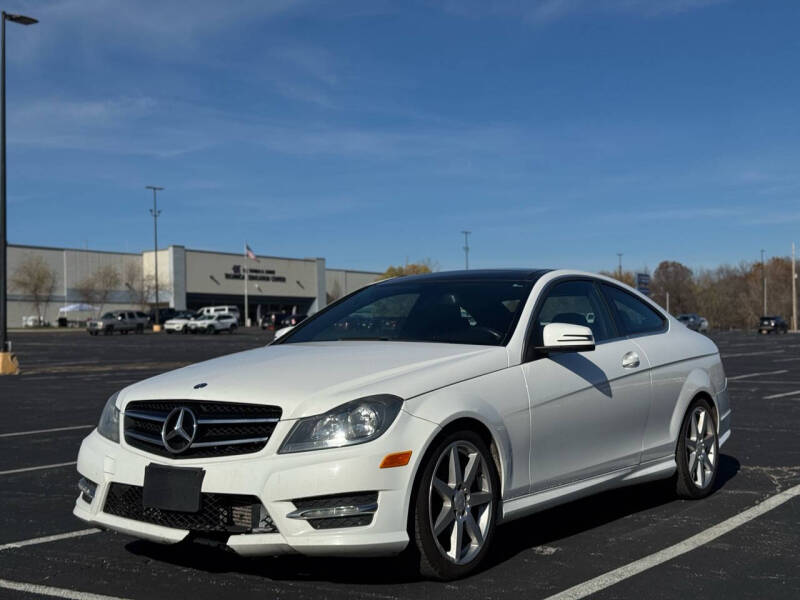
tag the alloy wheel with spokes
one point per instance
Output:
(698, 452)
(701, 449)
(456, 506)
(460, 497)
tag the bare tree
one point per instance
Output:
(98, 287)
(34, 278)
(676, 279)
(139, 286)
(626, 277)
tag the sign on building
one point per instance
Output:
(643, 283)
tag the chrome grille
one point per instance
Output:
(223, 428)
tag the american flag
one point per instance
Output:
(249, 252)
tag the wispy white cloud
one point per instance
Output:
(545, 11)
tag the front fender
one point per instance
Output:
(484, 400)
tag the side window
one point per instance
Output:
(578, 303)
(633, 315)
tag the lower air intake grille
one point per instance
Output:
(222, 513)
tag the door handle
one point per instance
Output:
(630, 360)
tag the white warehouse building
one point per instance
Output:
(187, 280)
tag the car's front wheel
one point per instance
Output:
(456, 506)
(698, 452)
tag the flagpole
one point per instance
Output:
(246, 312)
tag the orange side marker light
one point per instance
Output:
(396, 459)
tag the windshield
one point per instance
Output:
(456, 312)
(108, 316)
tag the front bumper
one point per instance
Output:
(276, 480)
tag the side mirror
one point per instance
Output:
(566, 337)
(282, 332)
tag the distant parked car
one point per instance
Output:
(272, 320)
(164, 315)
(220, 310)
(180, 322)
(691, 320)
(774, 324)
(118, 320)
(292, 320)
(213, 324)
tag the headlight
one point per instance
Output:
(352, 423)
(108, 426)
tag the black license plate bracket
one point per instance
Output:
(172, 488)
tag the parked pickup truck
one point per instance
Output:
(118, 320)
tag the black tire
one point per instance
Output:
(210, 330)
(687, 478)
(433, 560)
(108, 331)
(140, 328)
(232, 330)
(185, 330)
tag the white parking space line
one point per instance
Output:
(53, 592)
(39, 468)
(49, 538)
(783, 395)
(587, 588)
(758, 374)
(777, 360)
(55, 429)
(752, 353)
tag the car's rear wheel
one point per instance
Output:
(455, 508)
(108, 331)
(232, 329)
(210, 329)
(698, 452)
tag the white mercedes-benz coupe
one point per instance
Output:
(417, 413)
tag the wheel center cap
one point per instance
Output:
(459, 501)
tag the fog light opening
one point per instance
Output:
(87, 489)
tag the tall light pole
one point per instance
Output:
(155, 212)
(794, 291)
(764, 278)
(619, 272)
(466, 249)
(8, 364)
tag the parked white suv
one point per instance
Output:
(220, 310)
(213, 324)
(180, 322)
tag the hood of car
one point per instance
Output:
(307, 379)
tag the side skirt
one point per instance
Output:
(532, 503)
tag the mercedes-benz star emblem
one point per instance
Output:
(179, 430)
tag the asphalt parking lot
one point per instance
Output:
(68, 376)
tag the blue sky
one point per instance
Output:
(559, 131)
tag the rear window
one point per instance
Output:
(632, 315)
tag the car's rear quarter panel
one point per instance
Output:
(684, 364)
